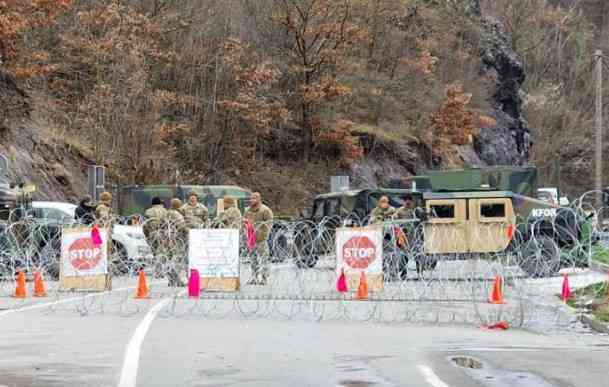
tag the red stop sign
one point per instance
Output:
(359, 252)
(83, 254)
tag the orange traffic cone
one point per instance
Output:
(20, 289)
(142, 287)
(497, 293)
(39, 290)
(362, 290)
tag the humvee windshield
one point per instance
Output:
(356, 203)
(395, 199)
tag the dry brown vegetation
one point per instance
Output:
(248, 91)
(556, 41)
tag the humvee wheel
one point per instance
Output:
(426, 263)
(395, 266)
(305, 253)
(540, 258)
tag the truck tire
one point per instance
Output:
(278, 243)
(48, 260)
(304, 241)
(120, 260)
(426, 263)
(540, 258)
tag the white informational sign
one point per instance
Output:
(359, 249)
(214, 252)
(80, 257)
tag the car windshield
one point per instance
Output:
(52, 213)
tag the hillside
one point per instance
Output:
(277, 96)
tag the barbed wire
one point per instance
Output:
(302, 275)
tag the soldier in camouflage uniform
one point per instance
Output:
(231, 216)
(174, 214)
(261, 217)
(195, 213)
(103, 213)
(383, 211)
(155, 230)
(407, 211)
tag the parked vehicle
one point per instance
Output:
(467, 213)
(128, 242)
(135, 199)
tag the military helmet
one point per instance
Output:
(105, 197)
(229, 201)
(176, 203)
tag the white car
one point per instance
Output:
(551, 195)
(129, 241)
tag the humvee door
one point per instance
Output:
(446, 229)
(489, 223)
(468, 225)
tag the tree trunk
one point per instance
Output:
(307, 138)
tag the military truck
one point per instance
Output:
(135, 199)
(469, 213)
(354, 207)
(40, 242)
(8, 196)
(314, 235)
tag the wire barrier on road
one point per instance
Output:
(299, 265)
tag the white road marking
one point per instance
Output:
(64, 301)
(132, 354)
(431, 377)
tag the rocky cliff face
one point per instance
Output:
(508, 142)
(57, 171)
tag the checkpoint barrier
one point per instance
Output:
(84, 261)
(358, 250)
(305, 263)
(215, 256)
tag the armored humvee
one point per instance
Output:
(354, 207)
(469, 213)
(315, 231)
(494, 211)
(134, 200)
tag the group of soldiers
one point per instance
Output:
(162, 226)
(385, 212)
(192, 215)
(181, 217)
(88, 213)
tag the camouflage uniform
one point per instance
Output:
(380, 215)
(104, 214)
(174, 217)
(153, 227)
(104, 217)
(404, 213)
(196, 216)
(261, 218)
(156, 232)
(230, 218)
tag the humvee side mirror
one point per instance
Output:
(305, 213)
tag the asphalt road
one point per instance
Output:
(63, 349)
(112, 340)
